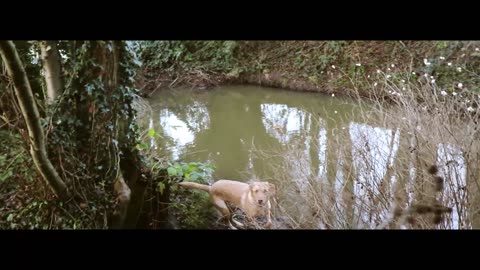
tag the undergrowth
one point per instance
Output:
(185, 208)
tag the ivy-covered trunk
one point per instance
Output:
(98, 115)
(31, 116)
(86, 133)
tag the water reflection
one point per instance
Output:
(282, 122)
(371, 147)
(227, 126)
(454, 172)
(177, 130)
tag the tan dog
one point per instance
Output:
(253, 199)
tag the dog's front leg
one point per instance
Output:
(238, 223)
(231, 225)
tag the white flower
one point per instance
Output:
(460, 85)
(378, 71)
(425, 61)
(388, 69)
(449, 63)
(442, 58)
(375, 84)
(403, 88)
(404, 118)
(343, 127)
(413, 73)
(459, 69)
(59, 122)
(476, 49)
(433, 81)
(335, 112)
(333, 66)
(431, 77)
(403, 81)
(358, 64)
(443, 93)
(218, 153)
(470, 109)
(463, 55)
(454, 93)
(333, 95)
(388, 76)
(467, 101)
(368, 76)
(393, 65)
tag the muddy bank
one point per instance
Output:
(204, 82)
(274, 79)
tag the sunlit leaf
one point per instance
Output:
(171, 171)
(161, 187)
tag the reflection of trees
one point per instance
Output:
(455, 174)
(401, 180)
(195, 116)
(373, 151)
(473, 183)
(234, 119)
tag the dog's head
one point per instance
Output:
(262, 191)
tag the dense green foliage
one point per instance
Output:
(326, 65)
(88, 130)
(214, 56)
(92, 125)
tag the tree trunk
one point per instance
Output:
(53, 70)
(130, 162)
(30, 113)
(123, 198)
(132, 172)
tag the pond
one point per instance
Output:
(296, 140)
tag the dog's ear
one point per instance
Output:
(272, 188)
(251, 186)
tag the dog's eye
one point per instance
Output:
(265, 190)
(256, 191)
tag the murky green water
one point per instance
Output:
(292, 139)
(224, 125)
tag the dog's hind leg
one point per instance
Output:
(223, 208)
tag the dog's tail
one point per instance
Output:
(195, 186)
